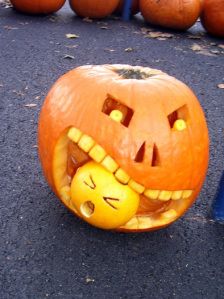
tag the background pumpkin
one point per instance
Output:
(134, 9)
(174, 14)
(151, 145)
(93, 8)
(212, 17)
(38, 6)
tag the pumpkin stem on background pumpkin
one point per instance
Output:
(134, 73)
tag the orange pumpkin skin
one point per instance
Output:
(212, 17)
(37, 6)
(77, 99)
(174, 14)
(134, 9)
(93, 8)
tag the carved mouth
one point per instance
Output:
(99, 155)
(89, 149)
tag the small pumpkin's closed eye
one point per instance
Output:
(90, 182)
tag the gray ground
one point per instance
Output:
(45, 251)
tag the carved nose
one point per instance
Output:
(153, 152)
(140, 153)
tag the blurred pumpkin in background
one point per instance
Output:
(212, 17)
(93, 8)
(173, 14)
(37, 6)
(124, 147)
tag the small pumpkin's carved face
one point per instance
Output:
(142, 129)
(100, 198)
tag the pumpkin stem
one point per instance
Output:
(134, 73)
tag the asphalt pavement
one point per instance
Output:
(45, 252)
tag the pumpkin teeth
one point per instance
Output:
(187, 193)
(86, 143)
(136, 186)
(99, 155)
(176, 195)
(65, 193)
(110, 164)
(74, 134)
(144, 222)
(122, 176)
(165, 195)
(169, 214)
(152, 194)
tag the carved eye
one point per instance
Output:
(178, 118)
(117, 111)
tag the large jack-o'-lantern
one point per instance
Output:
(123, 147)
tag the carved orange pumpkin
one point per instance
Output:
(174, 14)
(212, 17)
(93, 8)
(134, 9)
(37, 6)
(123, 147)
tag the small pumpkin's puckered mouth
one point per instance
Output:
(110, 204)
(87, 208)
